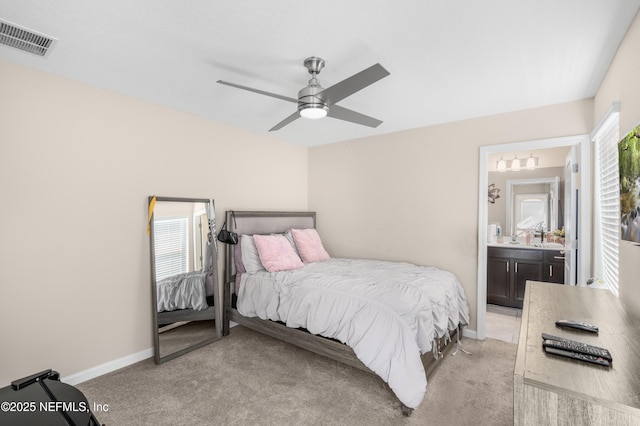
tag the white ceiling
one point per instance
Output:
(449, 60)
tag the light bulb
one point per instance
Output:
(531, 163)
(515, 164)
(502, 165)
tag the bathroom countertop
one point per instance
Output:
(532, 246)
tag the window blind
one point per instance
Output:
(607, 201)
(170, 240)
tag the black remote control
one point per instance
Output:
(580, 346)
(574, 346)
(580, 325)
(578, 356)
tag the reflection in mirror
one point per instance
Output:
(531, 212)
(532, 204)
(183, 275)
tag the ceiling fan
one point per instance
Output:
(316, 102)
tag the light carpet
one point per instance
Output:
(251, 379)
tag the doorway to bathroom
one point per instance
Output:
(581, 208)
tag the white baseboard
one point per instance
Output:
(107, 367)
(471, 334)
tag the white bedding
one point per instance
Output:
(387, 312)
(182, 291)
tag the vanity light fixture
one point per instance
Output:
(516, 164)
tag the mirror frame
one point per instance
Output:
(217, 291)
(554, 183)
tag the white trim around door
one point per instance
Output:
(584, 210)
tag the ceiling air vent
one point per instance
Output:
(25, 39)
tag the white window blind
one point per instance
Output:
(170, 240)
(607, 202)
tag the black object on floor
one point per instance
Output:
(42, 399)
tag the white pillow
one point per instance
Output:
(250, 256)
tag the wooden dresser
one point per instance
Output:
(554, 390)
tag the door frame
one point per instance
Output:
(584, 210)
(571, 185)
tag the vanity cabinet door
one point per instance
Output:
(525, 270)
(554, 267)
(527, 265)
(508, 270)
(498, 282)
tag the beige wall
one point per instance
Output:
(413, 195)
(622, 83)
(76, 167)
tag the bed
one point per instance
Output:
(185, 297)
(393, 319)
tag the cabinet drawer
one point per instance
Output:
(515, 253)
(498, 252)
(555, 256)
(528, 254)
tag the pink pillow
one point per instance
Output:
(309, 245)
(276, 253)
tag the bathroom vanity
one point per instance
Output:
(510, 266)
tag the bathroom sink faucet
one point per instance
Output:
(540, 228)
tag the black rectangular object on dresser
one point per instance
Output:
(42, 399)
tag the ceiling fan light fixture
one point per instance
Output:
(314, 112)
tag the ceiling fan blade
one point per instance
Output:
(345, 114)
(262, 92)
(351, 85)
(286, 121)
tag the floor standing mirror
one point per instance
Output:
(184, 260)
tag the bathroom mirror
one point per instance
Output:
(532, 204)
(184, 283)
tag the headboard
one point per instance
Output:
(260, 222)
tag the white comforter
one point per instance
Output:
(182, 291)
(387, 312)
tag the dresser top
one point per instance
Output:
(617, 386)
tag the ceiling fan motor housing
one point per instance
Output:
(308, 100)
(310, 105)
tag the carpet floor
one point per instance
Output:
(251, 379)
